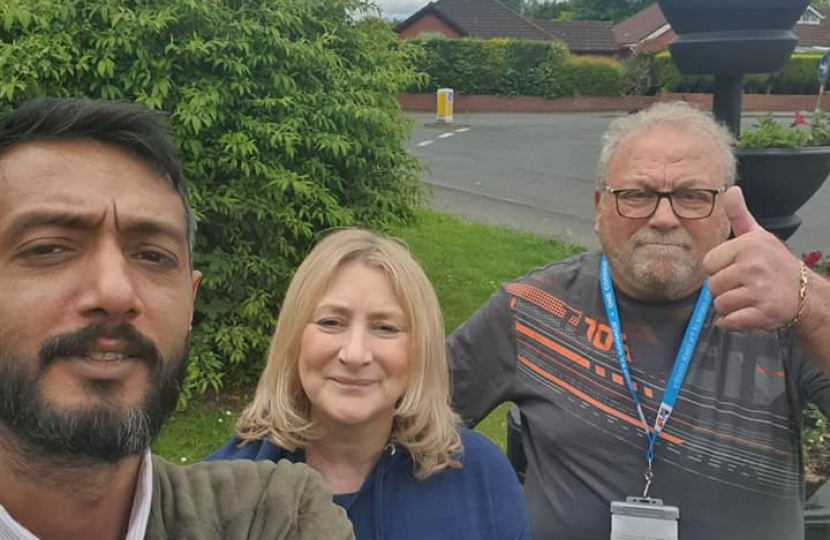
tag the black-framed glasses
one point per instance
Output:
(685, 203)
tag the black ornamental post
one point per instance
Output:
(728, 38)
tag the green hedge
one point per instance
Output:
(586, 75)
(798, 76)
(287, 120)
(514, 67)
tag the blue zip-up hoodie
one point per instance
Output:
(482, 500)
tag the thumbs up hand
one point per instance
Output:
(754, 278)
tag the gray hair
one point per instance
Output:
(679, 114)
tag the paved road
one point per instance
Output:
(536, 172)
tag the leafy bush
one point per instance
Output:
(670, 79)
(798, 76)
(287, 123)
(768, 133)
(594, 75)
(469, 66)
(639, 75)
(514, 67)
(522, 62)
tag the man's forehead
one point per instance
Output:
(84, 176)
(666, 147)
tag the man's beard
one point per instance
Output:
(663, 272)
(104, 432)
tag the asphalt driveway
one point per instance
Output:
(536, 171)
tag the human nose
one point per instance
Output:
(664, 216)
(109, 289)
(355, 349)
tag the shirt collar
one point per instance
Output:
(10, 529)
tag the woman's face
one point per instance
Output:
(354, 352)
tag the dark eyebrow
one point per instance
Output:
(143, 227)
(148, 227)
(33, 220)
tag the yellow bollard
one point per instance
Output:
(445, 99)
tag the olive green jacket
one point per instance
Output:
(243, 500)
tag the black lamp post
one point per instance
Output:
(728, 38)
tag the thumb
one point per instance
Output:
(739, 216)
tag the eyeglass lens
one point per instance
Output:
(688, 203)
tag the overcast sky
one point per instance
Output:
(400, 9)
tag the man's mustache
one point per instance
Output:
(677, 238)
(81, 343)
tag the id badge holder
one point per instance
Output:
(642, 518)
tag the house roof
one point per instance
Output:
(480, 18)
(490, 19)
(814, 35)
(639, 26)
(650, 19)
(582, 36)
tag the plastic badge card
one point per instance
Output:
(643, 519)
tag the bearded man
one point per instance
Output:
(97, 291)
(663, 378)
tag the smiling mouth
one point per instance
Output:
(100, 365)
(358, 383)
(107, 356)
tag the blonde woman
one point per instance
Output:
(356, 386)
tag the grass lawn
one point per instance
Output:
(466, 263)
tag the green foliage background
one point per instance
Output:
(287, 122)
(648, 73)
(513, 67)
(588, 10)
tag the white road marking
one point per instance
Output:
(445, 135)
(424, 143)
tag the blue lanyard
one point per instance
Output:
(681, 363)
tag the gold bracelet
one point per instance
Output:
(802, 296)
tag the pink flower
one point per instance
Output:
(799, 120)
(811, 258)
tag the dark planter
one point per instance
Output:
(778, 181)
(686, 16)
(728, 38)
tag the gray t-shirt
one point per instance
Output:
(730, 456)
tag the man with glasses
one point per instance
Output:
(672, 367)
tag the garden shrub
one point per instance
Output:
(469, 66)
(523, 59)
(798, 76)
(286, 120)
(595, 75)
(514, 67)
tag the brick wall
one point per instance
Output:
(428, 23)
(462, 103)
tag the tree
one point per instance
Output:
(515, 5)
(608, 10)
(593, 10)
(551, 10)
(287, 122)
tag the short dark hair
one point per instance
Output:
(129, 126)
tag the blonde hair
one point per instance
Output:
(677, 114)
(424, 423)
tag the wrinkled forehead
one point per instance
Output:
(85, 177)
(669, 149)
